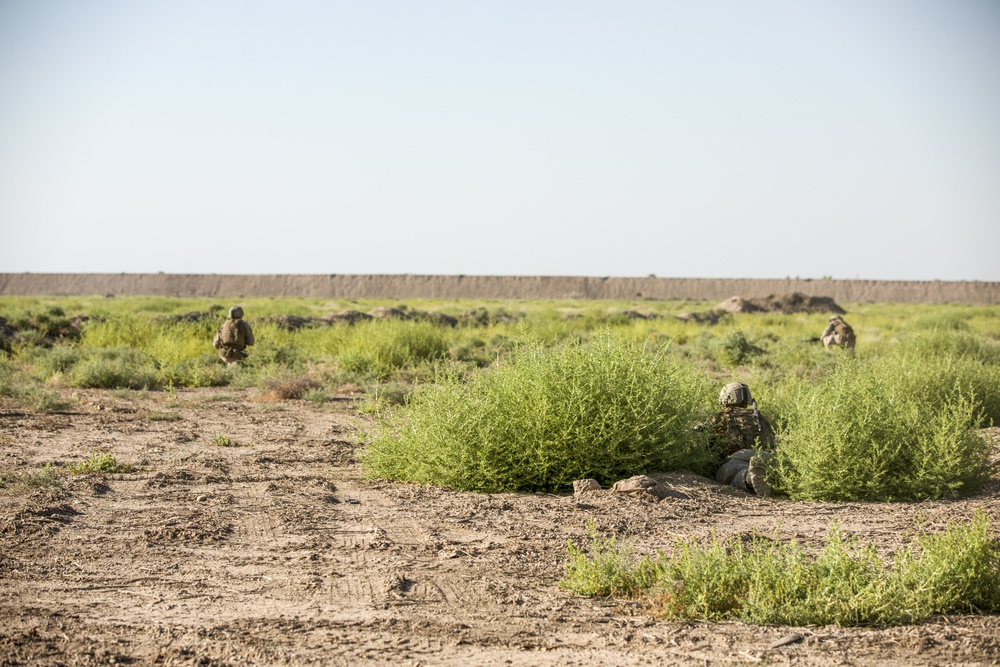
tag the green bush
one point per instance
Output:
(608, 569)
(876, 431)
(763, 581)
(940, 360)
(16, 385)
(736, 350)
(116, 368)
(58, 359)
(546, 417)
(378, 348)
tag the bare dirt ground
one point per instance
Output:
(280, 552)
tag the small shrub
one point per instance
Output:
(102, 463)
(317, 395)
(59, 359)
(43, 400)
(163, 417)
(288, 386)
(46, 476)
(19, 387)
(939, 361)
(607, 569)
(116, 368)
(384, 395)
(736, 350)
(222, 440)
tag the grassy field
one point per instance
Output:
(508, 395)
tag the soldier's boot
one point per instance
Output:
(756, 477)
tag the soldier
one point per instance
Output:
(838, 332)
(743, 439)
(233, 337)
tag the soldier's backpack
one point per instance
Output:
(229, 334)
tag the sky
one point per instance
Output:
(699, 138)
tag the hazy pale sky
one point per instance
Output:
(704, 138)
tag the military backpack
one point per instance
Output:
(229, 334)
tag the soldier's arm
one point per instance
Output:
(249, 334)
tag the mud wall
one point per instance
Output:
(489, 287)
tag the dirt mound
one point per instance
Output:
(193, 316)
(435, 317)
(348, 317)
(788, 303)
(704, 316)
(634, 315)
(737, 304)
(389, 313)
(292, 322)
(42, 328)
(482, 317)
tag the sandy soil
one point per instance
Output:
(279, 552)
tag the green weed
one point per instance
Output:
(762, 581)
(162, 416)
(46, 476)
(101, 463)
(222, 440)
(19, 387)
(317, 395)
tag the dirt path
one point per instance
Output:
(280, 553)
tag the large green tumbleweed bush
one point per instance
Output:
(604, 409)
(893, 429)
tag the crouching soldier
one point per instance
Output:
(743, 440)
(839, 333)
(233, 337)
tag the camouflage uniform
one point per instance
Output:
(233, 353)
(838, 332)
(743, 440)
(735, 428)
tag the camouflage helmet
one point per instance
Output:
(834, 317)
(235, 312)
(735, 394)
